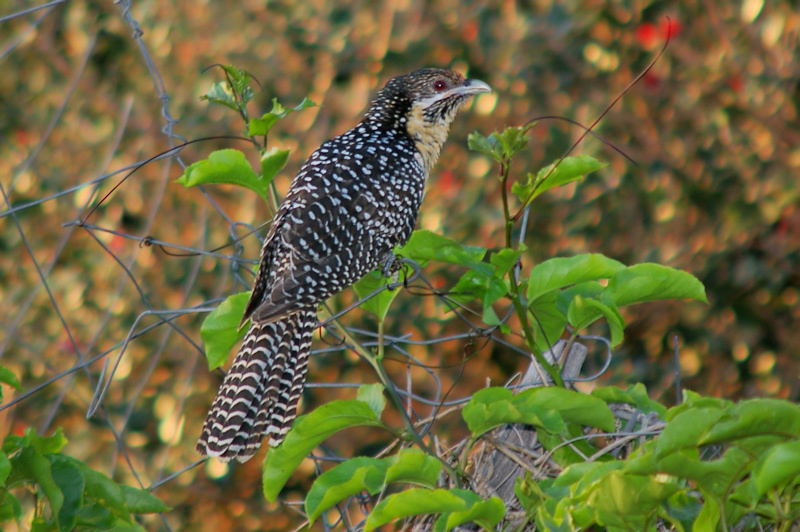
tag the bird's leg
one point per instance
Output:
(392, 264)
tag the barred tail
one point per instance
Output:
(260, 393)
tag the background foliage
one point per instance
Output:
(713, 128)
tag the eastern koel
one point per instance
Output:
(354, 200)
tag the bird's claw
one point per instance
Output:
(392, 265)
(391, 268)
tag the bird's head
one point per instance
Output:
(433, 94)
(436, 95)
(424, 104)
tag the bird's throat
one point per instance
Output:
(428, 137)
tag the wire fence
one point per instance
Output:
(136, 354)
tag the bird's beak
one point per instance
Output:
(472, 86)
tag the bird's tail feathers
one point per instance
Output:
(261, 391)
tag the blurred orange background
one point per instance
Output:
(713, 129)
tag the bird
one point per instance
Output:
(352, 202)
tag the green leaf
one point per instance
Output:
(753, 426)
(45, 445)
(273, 162)
(487, 145)
(5, 469)
(381, 302)
(558, 273)
(425, 501)
(505, 259)
(554, 519)
(583, 312)
(486, 513)
(582, 477)
(478, 411)
(224, 167)
(10, 508)
(372, 394)
(743, 499)
(308, 432)
(585, 290)
(120, 526)
(8, 377)
(687, 430)
(495, 289)
(71, 483)
(413, 466)
(529, 493)
(424, 246)
(345, 480)
(512, 140)
(40, 524)
(471, 285)
(487, 288)
(551, 310)
(141, 501)
(547, 321)
(224, 92)
(709, 516)
(683, 508)
(371, 475)
(492, 407)
(715, 478)
(490, 317)
(30, 465)
(95, 515)
(574, 453)
(778, 466)
(305, 104)
(240, 80)
(755, 417)
(629, 502)
(221, 93)
(635, 395)
(220, 330)
(568, 170)
(262, 126)
(12, 444)
(574, 407)
(104, 491)
(652, 282)
(692, 400)
(500, 146)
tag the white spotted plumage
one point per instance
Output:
(351, 203)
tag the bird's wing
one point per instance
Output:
(328, 238)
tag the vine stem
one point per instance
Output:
(551, 370)
(516, 298)
(376, 362)
(505, 167)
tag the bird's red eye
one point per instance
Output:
(439, 85)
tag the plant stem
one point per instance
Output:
(551, 370)
(505, 167)
(377, 365)
(722, 517)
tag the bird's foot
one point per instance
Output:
(392, 264)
